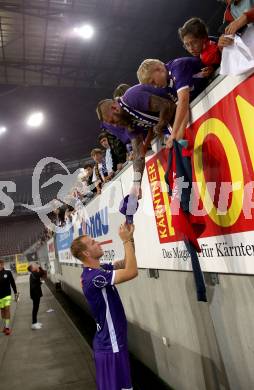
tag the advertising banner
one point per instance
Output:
(223, 165)
(21, 264)
(51, 249)
(63, 244)
(221, 134)
(101, 220)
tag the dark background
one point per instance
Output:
(127, 32)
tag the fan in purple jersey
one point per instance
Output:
(98, 284)
(182, 79)
(140, 109)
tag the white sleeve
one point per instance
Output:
(113, 277)
(109, 162)
(94, 176)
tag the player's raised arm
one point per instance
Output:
(130, 271)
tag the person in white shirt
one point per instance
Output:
(115, 152)
(108, 156)
(100, 173)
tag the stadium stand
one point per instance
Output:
(18, 233)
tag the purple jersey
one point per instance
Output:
(123, 133)
(106, 307)
(185, 73)
(138, 96)
(113, 371)
(182, 73)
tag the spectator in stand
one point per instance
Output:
(120, 133)
(130, 155)
(61, 215)
(132, 113)
(88, 195)
(69, 210)
(100, 173)
(194, 35)
(115, 156)
(181, 79)
(89, 177)
(54, 215)
(119, 148)
(120, 90)
(88, 189)
(124, 112)
(135, 137)
(237, 15)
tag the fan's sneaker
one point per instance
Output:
(36, 326)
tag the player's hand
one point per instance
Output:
(126, 232)
(207, 71)
(169, 142)
(16, 297)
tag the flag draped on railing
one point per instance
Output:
(179, 179)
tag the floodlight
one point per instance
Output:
(3, 130)
(86, 31)
(35, 119)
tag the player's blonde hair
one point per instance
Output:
(145, 70)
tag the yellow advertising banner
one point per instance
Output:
(21, 264)
(21, 268)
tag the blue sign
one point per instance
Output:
(97, 225)
(64, 240)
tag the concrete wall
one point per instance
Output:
(232, 313)
(210, 345)
(190, 345)
(166, 308)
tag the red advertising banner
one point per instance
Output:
(223, 165)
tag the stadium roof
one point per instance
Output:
(38, 50)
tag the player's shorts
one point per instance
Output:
(5, 302)
(113, 370)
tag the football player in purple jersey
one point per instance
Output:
(98, 283)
